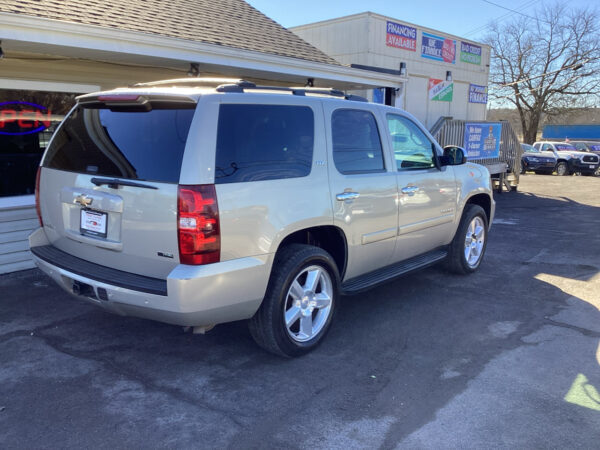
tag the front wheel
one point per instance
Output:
(562, 169)
(300, 302)
(468, 246)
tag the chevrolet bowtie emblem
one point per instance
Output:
(83, 200)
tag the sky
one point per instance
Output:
(463, 18)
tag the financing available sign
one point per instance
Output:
(438, 48)
(478, 94)
(470, 53)
(482, 140)
(440, 90)
(401, 36)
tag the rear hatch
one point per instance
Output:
(108, 182)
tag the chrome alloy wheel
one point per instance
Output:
(308, 303)
(474, 241)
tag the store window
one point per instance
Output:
(27, 121)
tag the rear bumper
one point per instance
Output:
(190, 296)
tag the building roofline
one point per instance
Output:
(37, 30)
(381, 16)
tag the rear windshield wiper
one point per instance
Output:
(114, 183)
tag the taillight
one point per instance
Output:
(37, 196)
(198, 224)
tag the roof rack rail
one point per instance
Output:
(204, 81)
(243, 85)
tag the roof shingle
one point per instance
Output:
(231, 23)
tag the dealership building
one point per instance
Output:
(445, 75)
(52, 51)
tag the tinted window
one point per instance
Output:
(263, 142)
(356, 142)
(136, 145)
(412, 149)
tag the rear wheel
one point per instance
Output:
(468, 246)
(562, 169)
(300, 302)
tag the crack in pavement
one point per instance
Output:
(115, 368)
(584, 331)
(31, 332)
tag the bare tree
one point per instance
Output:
(544, 64)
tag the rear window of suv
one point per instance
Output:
(263, 142)
(140, 145)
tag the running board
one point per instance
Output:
(368, 280)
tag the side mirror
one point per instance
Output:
(453, 156)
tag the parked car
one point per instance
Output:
(195, 205)
(569, 159)
(542, 163)
(588, 146)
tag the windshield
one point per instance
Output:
(567, 147)
(529, 148)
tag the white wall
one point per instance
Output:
(361, 39)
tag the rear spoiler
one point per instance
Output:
(127, 101)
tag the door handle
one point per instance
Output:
(410, 190)
(347, 196)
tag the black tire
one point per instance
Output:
(562, 169)
(456, 261)
(267, 326)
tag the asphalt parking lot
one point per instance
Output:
(508, 357)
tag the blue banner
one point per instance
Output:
(438, 48)
(482, 140)
(478, 94)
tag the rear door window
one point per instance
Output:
(135, 145)
(263, 142)
(356, 142)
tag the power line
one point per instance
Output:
(508, 9)
(502, 17)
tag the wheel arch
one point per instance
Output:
(484, 201)
(328, 237)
